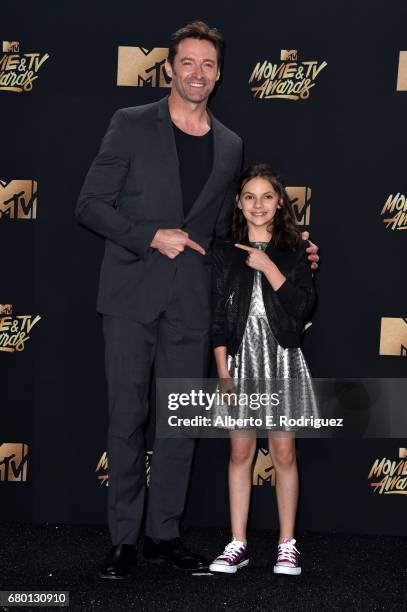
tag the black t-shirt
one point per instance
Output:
(195, 156)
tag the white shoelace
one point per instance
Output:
(232, 549)
(287, 550)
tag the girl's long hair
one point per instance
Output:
(285, 234)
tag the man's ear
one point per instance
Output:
(218, 76)
(168, 68)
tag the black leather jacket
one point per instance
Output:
(287, 308)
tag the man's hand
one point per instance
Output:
(172, 242)
(312, 250)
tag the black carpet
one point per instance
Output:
(338, 573)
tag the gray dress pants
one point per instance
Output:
(131, 350)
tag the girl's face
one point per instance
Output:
(258, 202)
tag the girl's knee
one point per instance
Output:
(284, 456)
(242, 453)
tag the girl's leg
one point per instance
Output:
(242, 449)
(282, 451)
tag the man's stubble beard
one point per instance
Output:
(184, 94)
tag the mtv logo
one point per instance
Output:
(288, 55)
(13, 462)
(6, 309)
(140, 67)
(393, 336)
(18, 199)
(402, 453)
(402, 73)
(300, 202)
(263, 471)
(11, 46)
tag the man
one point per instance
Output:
(158, 191)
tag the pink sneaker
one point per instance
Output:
(233, 558)
(287, 559)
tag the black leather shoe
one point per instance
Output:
(118, 563)
(174, 552)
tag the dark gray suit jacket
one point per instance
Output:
(133, 189)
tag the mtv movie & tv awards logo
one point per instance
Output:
(396, 206)
(15, 330)
(18, 71)
(18, 199)
(102, 468)
(390, 476)
(289, 79)
(141, 67)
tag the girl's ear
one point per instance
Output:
(238, 204)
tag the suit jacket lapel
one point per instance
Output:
(169, 154)
(170, 157)
(216, 172)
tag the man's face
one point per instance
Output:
(195, 69)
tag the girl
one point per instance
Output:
(262, 294)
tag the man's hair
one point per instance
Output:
(199, 30)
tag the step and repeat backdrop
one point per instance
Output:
(319, 90)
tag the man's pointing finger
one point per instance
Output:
(194, 245)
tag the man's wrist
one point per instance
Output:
(155, 237)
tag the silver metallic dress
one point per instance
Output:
(261, 364)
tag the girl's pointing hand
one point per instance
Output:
(256, 258)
